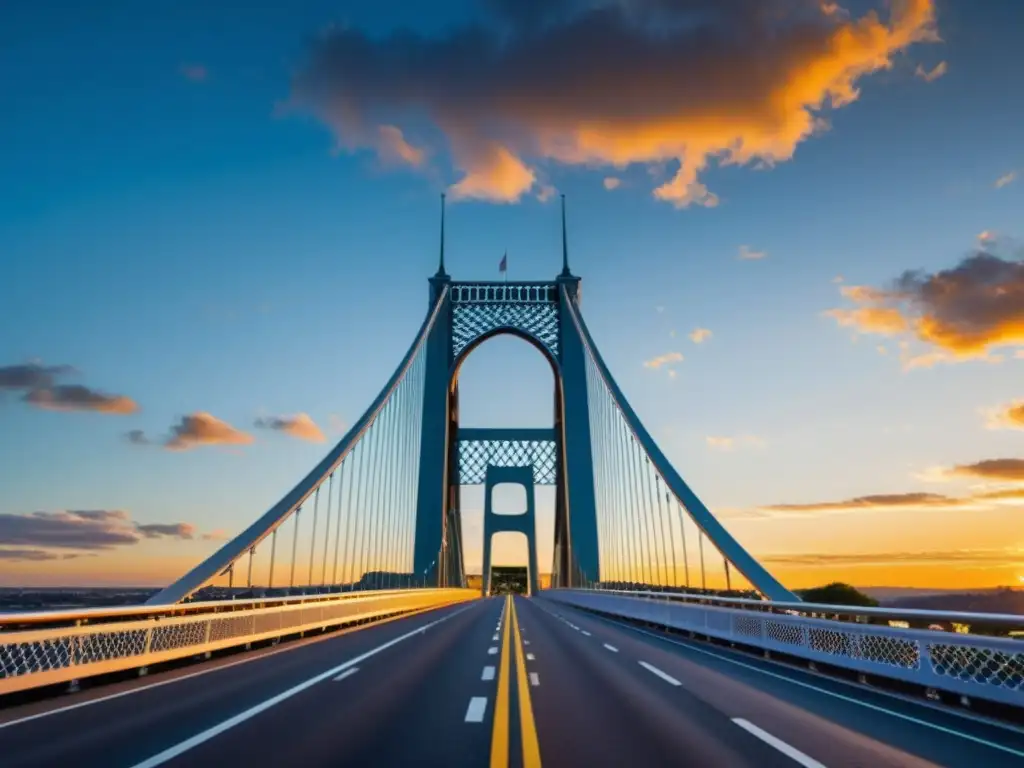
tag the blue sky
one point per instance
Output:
(175, 235)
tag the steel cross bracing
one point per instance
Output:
(479, 448)
(482, 308)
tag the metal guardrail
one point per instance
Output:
(815, 610)
(71, 648)
(990, 668)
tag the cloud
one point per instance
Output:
(39, 384)
(167, 530)
(1000, 470)
(748, 254)
(612, 182)
(960, 313)
(1006, 178)
(32, 536)
(875, 503)
(991, 557)
(728, 443)
(393, 149)
(933, 74)
(1008, 416)
(31, 376)
(197, 73)
(72, 529)
(28, 555)
(678, 84)
(987, 238)
(300, 426)
(75, 397)
(700, 335)
(137, 437)
(669, 358)
(895, 502)
(204, 429)
(218, 534)
(497, 176)
(546, 192)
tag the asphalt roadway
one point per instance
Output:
(495, 682)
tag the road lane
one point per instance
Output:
(824, 719)
(596, 708)
(409, 706)
(125, 730)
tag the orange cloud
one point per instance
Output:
(204, 429)
(668, 358)
(607, 83)
(960, 313)
(394, 149)
(992, 557)
(1009, 416)
(495, 175)
(700, 335)
(612, 182)
(933, 74)
(300, 426)
(1000, 470)
(881, 320)
(75, 397)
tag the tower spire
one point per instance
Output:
(440, 268)
(565, 244)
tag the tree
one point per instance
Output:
(837, 593)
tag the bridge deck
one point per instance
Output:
(417, 691)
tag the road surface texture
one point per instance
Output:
(497, 682)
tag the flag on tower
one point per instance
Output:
(503, 266)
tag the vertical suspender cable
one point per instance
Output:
(327, 529)
(273, 555)
(671, 533)
(682, 535)
(337, 525)
(312, 538)
(364, 460)
(295, 544)
(348, 519)
(645, 541)
(645, 471)
(703, 577)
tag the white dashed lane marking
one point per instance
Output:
(792, 753)
(475, 710)
(663, 675)
(488, 673)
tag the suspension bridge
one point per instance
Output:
(339, 627)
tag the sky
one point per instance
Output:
(798, 223)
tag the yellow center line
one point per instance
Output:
(499, 734)
(527, 726)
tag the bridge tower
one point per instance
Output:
(382, 508)
(470, 313)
